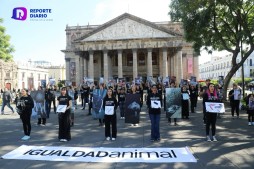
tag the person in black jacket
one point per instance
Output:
(211, 96)
(154, 100)
(25, 105)
(110, 106)
(193, 97)
(121, 102)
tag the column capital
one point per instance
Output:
(119, 50)
(67, 59)
(134, 50)
(164, 49)
(149, 49)
(105, 51)
(91, 52)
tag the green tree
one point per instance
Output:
(5, 47)
(218, 25)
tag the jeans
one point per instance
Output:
(155, 126)
(8, 105)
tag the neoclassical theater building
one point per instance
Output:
(128, 47)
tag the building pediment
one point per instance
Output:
(127, 26)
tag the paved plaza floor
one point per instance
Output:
(233, 150)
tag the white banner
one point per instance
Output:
(86, 154)
(213, 107)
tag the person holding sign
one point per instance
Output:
(154, 100)
(64, 110)
(185, 102)
(110, 105)
(210, 96)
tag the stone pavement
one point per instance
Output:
(234, 149)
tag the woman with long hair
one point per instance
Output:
(211, 96)
(110, 106)
(25, 105)
(64, 132)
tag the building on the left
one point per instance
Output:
(8, 75)
(30, 75)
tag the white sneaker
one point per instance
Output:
(108, 138)
(26, 138)
(253, 123)
(208, 138)
(113, 139)
(214, 138)
(23, 138)
(249, 123)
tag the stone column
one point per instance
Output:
(135, 63)
(85, 66)
(179, 66)
(149, 63)
(164, 63)
(67, 69)
(120, 64)
(195, 66)
(91, 65)
(105, 61)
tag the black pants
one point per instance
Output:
(235, 107)
(64, 125)
(110, 124)
(26, 120)
(193, 104)
(250, 117)
(54, 104)
(211, 121)
(204, 113)
(41, 121)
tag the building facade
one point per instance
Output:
(57, 72)
(8, 75)
(221, 65)
(128, 47)
(29, 76)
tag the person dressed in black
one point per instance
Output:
(110, 106)
(154, 101)
(90, 101)
(185, 102)
(52, 98)
(211, 96)
(235, 97)
(203, 90)
(121, 102)
(25, 105)
(85, 95)
(193, 97)
(64, 133)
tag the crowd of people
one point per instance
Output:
(114, 97)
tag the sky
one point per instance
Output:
(44, 40)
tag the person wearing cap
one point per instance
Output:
(154, 101)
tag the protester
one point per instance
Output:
(25, 105)
(64, 132)
(7, 97)
(121, 102)
(52, 98)
(47, 101)
(211, 96)
(235, 97)
(40, 109)
(134, 91)
(90, 101)
(203, 90)
(110, 106)
(154, 102)
(193, 97)
(185, 102)
(250, 109)
(172, 85)
(85, 91)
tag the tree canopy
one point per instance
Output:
(217, 25)
(5, 47)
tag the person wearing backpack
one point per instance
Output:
(25, 104)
